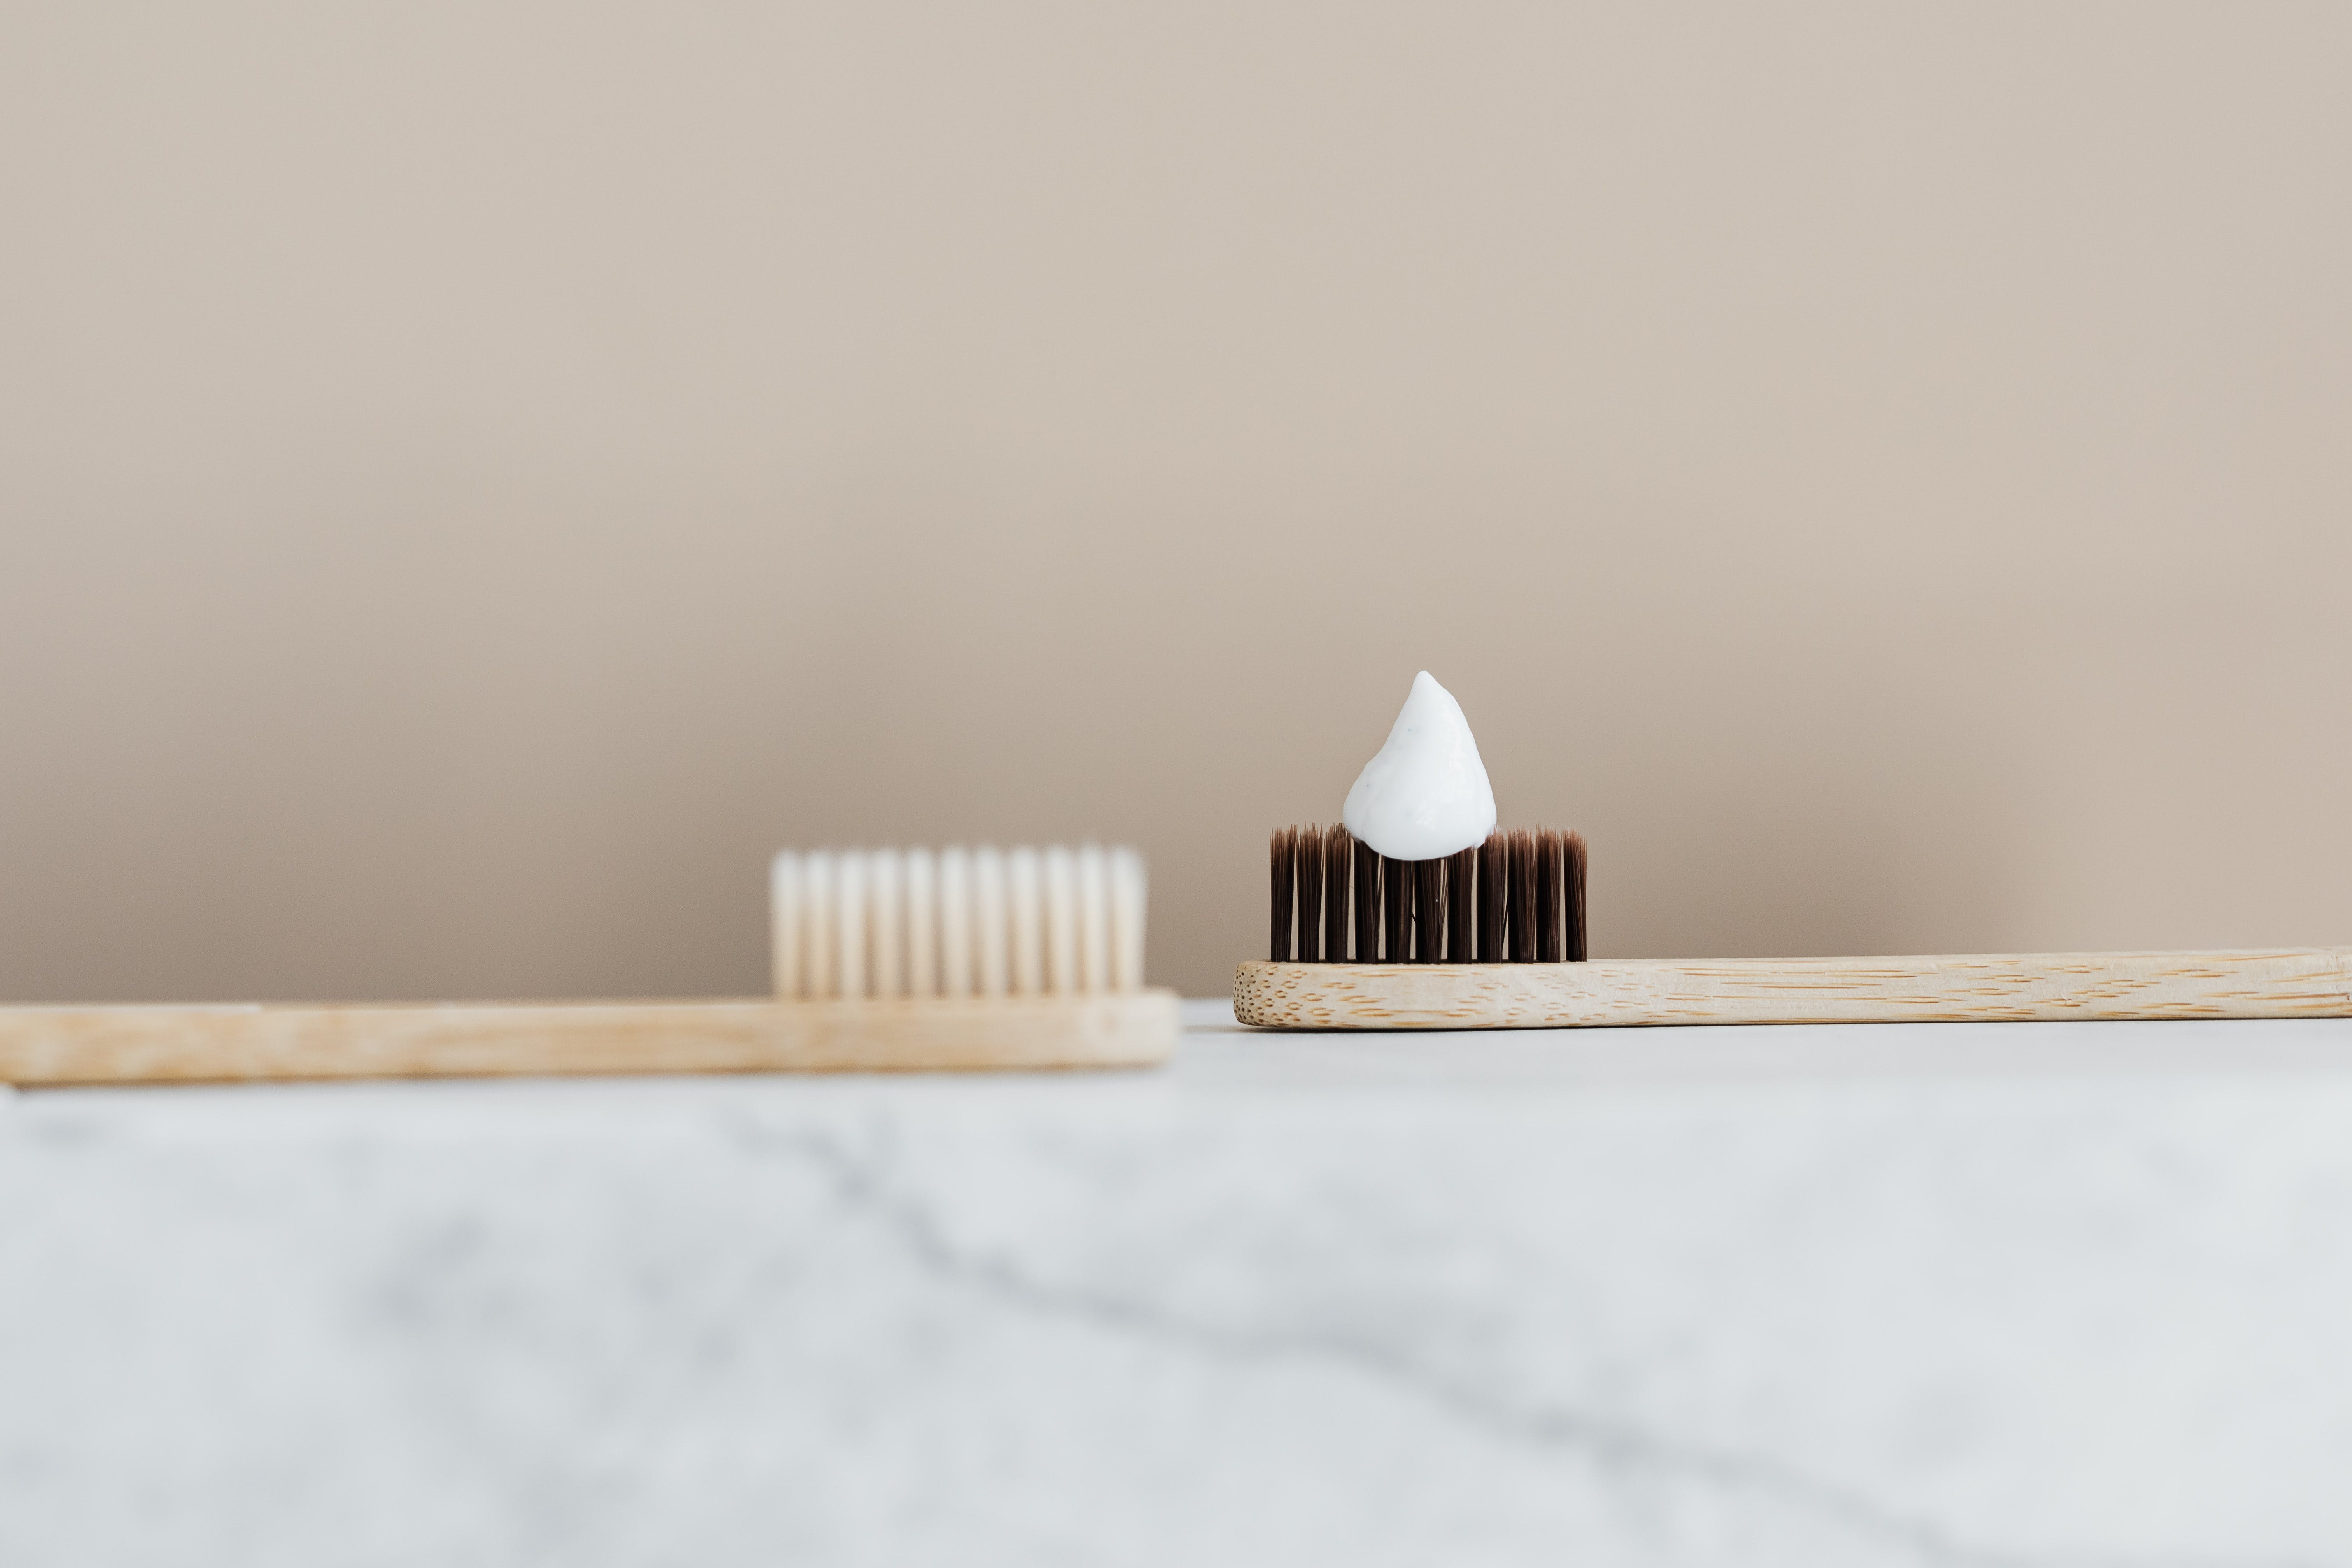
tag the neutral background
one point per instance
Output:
(475, 478)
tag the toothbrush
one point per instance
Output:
(1493, 938)
(883, 961)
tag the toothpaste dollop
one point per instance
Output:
(1424, 794)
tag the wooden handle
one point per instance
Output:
(2283, 982)
(156, 1045)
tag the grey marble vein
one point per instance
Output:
(2046, 1298)
(865, 1186)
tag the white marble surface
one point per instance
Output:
(2026, 1295)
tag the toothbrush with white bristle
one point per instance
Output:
(884, 960)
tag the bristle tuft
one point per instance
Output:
(1396, 909)
(1461, 906)
(1522, 912)
(1578, 952)
(1428, 911)
(1339, 851)
(1278, 942)
(1309, 878)
(1493, 890)
(1025, 882)
(1549, 949)
(1365, 947)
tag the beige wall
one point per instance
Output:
(475, 478)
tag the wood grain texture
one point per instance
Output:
(2282, 983)
(209, 1043)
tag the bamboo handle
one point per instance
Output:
(2283, 983)
(159, 1045)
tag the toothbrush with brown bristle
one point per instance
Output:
(1467, 928)
(1493, 938)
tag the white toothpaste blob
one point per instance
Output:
(1426, 793)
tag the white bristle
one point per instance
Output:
(955, 922)
(885, 926)
(849, 925)
(784, 923)
(1127, 921)
(992, 906)
(818, 919)
(1025, 921)
(983, 922)
(923, 899)
(1094, 918)
(1061, 921)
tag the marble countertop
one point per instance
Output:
(2019, 1294)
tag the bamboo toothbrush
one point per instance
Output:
(1494, 937)
(885, 960)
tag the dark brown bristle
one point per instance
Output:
(1306, 878)
(1531, 844)
(1367, 890)
(1338, 845)
(1278, 944)
(1514, 899)
(1428, 911)
(1493, 890)
(1574, 879)
(1550, 947)
(1522, 914)
(1335, 894)
(1499, 864)
(1518, 898)
(1396, 909)
(1461, 884)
